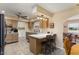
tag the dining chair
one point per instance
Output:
(74, 50)
(67, 45)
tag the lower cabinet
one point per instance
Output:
(11, 38)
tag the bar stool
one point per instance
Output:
(53, 42)
(47, 46)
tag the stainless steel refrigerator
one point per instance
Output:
(2, 34)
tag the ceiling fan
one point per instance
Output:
(19, 15)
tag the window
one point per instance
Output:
(73, 28)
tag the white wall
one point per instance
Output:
(59, 19)
(58, 29)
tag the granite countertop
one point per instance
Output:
(39, 36)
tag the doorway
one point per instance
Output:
(21, 30)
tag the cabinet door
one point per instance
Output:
(30, 25)
(14, 23)
(44, 23)
(41, 23)
(8, 22)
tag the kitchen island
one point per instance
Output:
(35, 42)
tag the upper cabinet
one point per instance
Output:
(12, 23)
(46, 19)
(42, 15)
(8, 22)
(44, 23)
(30, 25)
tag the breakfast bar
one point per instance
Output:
(35, 42)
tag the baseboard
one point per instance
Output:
(12, 42)
(60, 48)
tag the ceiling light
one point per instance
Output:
(41, 18)
(38, 17)
(3, 12)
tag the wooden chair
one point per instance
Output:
(67, 45)
(75, 50)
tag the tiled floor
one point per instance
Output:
(22, 48)
(19, 48)
(59, 52)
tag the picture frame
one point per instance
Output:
(51, 25)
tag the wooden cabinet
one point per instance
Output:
(30, 25)
(12, 23)
(35, 45)
(44, 23)
(11, 38)
(41, 23)
(8, 22)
